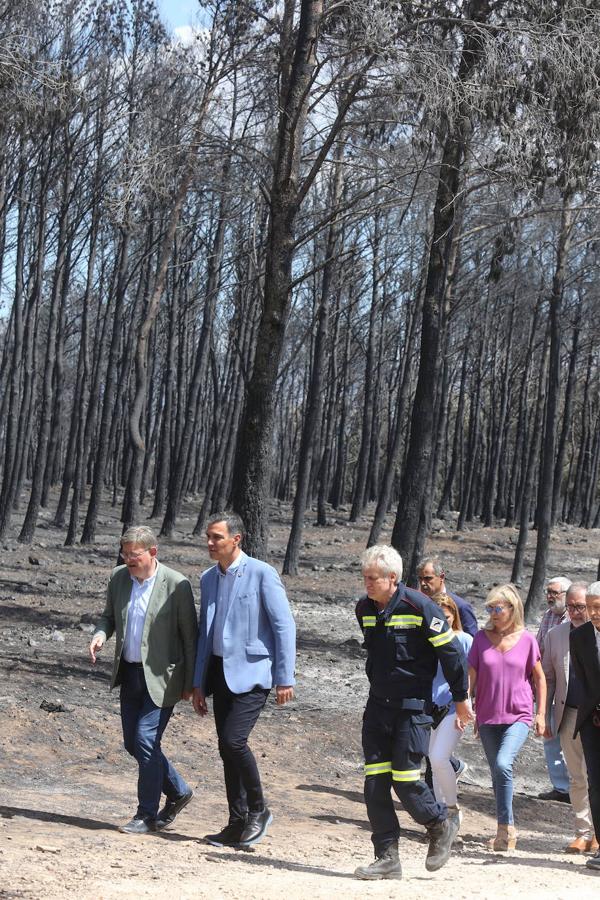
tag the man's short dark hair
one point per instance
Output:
(235, 523)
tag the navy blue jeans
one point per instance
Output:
(143, 725)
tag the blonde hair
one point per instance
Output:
(506, 593)
(446, 602)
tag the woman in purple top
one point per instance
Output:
(503, 662)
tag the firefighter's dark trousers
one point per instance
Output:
(394, 743)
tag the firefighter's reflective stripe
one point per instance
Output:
(439, 640)
(406, 775)
(404, 621)
(369, 621)
(380, 768)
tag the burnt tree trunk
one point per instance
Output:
(414, 485)
(252, 470)
(546, 481)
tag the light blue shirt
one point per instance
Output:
(224, 593)
(136, 616)
(440, 690)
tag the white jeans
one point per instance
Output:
(442, 742)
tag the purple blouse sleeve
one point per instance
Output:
(473, 657)
(533, 656)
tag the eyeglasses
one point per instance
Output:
(133, 556)
(576, 607)
(496, 609)
(550, 593)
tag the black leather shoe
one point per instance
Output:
(139, 825)
(256, 827)
(229, 836)
(560, 796)
(441, 836)
(171, 810)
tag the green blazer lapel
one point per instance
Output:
(123, 596)
(157, 598)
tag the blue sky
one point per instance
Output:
(177, 13)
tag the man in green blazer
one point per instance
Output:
(150, 609)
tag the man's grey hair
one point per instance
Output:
(576, 587)
(435, 563)
(235, 523)
(565, 583)
(139, 534)
(384, 558)
(593, 589)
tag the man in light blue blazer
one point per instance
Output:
(246, 645)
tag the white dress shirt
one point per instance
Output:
(224, 594)
(136, 616)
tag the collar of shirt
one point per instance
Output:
(232, 569)
(147, 581)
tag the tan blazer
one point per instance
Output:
(169, 635)
(555, 662)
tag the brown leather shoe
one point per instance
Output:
(578, 845)
(593, 846)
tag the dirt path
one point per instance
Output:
(66, 782)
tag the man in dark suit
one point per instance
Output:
(150, 609)
(246, 645)
(585, 654)
(432, 581)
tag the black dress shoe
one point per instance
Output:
(229, 836)
(256, 827)
(139, 825)
(560, 796)
(171, 809)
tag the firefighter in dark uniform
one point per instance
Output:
(405, 635)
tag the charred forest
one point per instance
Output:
(341, 255)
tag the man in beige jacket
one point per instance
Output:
(563, 697)
(150, 609)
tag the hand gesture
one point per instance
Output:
(96, 645)
(283, 693)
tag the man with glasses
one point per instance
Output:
(563, 699)
(585, 653)
(556, 614)
(150, 609)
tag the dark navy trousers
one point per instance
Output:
(394, 743)
(143, 726)
(235, 717)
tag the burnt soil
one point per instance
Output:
(66, 782)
